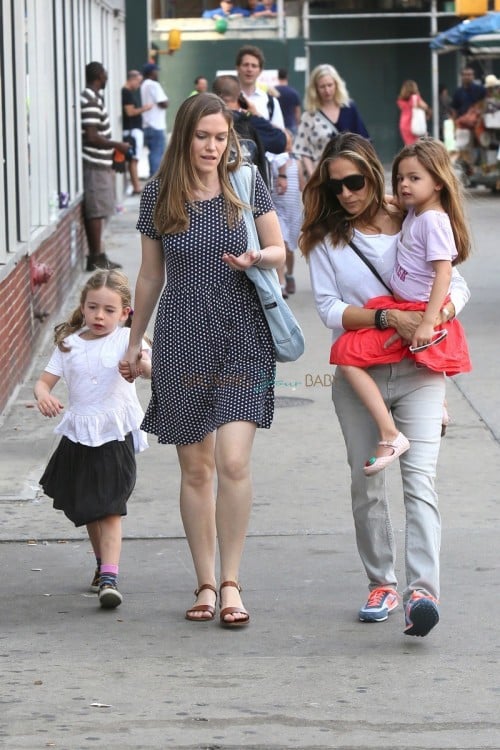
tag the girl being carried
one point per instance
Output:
(434, 237)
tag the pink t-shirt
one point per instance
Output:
(424, 238)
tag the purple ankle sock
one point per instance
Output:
(108, 575)
(106, 568)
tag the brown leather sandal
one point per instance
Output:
(202, 607)
(232, 610)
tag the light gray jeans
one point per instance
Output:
(415, 396)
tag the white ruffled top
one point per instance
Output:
(102, 406)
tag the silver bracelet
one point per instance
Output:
(259, 260)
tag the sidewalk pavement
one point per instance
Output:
(305, 673)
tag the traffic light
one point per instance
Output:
(472, 7)
(475, 7)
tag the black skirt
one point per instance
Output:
(91, 483)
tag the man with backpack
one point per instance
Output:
(256, 134)
(249, 65)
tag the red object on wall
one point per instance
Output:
(40, 273)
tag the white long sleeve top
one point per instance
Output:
(339, 278)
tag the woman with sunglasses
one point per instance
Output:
(328, 110)
(345, 202)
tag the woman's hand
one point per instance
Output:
(243, 261)
(130, 366)
(405, 322)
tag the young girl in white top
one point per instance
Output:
(434, 237)
(92, 472)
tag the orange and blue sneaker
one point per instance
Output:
(94, 586)
(421, 614)
(381, 602)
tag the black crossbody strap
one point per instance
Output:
(334, 127)
(370, 265)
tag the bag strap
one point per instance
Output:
(243, 180)
(370, 265)
(335, 130)
(270, 105)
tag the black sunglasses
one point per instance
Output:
(352, 182)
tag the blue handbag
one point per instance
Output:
(287, 335)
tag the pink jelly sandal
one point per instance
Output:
(445, 421)
(399, 445)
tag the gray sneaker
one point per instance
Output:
(381, 602)
(109, 596)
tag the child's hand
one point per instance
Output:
(140, 367)
(125, 370)
(49, 406)
(392, 200)
(145, 365)
(423, 335)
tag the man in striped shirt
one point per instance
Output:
(98, 175)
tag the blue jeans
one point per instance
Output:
(155, 142)
(415, 397)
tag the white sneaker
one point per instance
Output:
(109, 596)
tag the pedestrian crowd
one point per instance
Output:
(384, 279)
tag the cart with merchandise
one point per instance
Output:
(479, 39)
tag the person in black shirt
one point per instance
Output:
(289, 102)
(256, 134)
(467, 94)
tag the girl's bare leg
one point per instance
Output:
(111, 539)
(367, 391)
(94, 532)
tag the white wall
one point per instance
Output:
(44, 47)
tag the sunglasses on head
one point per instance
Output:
(352, 182)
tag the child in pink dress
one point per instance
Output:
(409, 98)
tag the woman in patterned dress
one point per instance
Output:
(213, 363)
(328, 111)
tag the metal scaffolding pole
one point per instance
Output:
(432, 14)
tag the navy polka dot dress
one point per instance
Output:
(213, 357)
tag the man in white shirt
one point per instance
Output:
(249, 65)
(154, 120)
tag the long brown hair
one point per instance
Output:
(177, 176)
(434, 158)
(408, 88)
(323, 214)
(114, 280)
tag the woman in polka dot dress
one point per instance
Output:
(213, 363)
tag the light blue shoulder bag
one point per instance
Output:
(287, 335)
